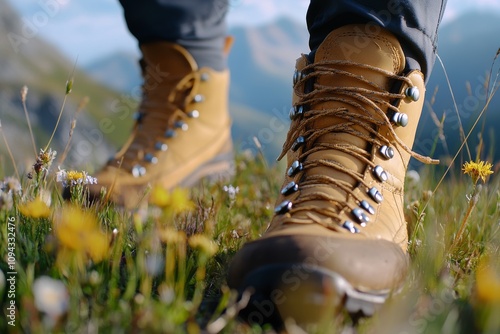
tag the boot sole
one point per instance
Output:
(305, 293)
(220, 168)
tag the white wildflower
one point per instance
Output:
(231, 191)
(167, 294)
(10, 185)
(44, 160)
(413, 176)
(61, 176)
(95, 278)
(51, 296)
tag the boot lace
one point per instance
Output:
(163, 112)
(370, 104)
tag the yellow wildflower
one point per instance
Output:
(73, 178)
(487, 283)
(159, 196)
(180, 200)
(79, 231)
(35, 209)
(171, 236)
(177, 200)
(74, 175)
(477, 170)
(204, 244)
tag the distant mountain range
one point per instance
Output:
(261, 62)
(467, 47)
(27, 60)
(263, 59)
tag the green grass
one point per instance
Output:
(130, 291)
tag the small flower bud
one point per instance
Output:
(24, 93)
(69, 86)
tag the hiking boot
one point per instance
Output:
(182, 129)
(338, 237)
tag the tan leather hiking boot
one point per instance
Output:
(338, 237)
(182, 132)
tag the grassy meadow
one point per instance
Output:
(75, 267)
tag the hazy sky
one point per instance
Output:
(92, 28)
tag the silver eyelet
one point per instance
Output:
(204, 76)
(387, 152)
(170, 133)
(159, 146)
(181, 125)
(349, 225)
(198, 98)
(137, 116)
(360, 216)
(295, 112)
(295, 168)
(138, 171)
(375, 195)
(193, 114)
(380, 173)
(289, 188)
(298, 143)
(283, 207)
(297, 76)
(413, 93)
(400, 119)
(367, 207)
(150, 158)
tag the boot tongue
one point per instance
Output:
(352, 44)
(357, 44)
(165, 65)
(163, 59)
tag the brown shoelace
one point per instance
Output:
(158, 119)
(370, 117)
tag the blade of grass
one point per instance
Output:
(494, 89)
(24, 93)
(9, 151)
(462, 133)
(69, 87)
